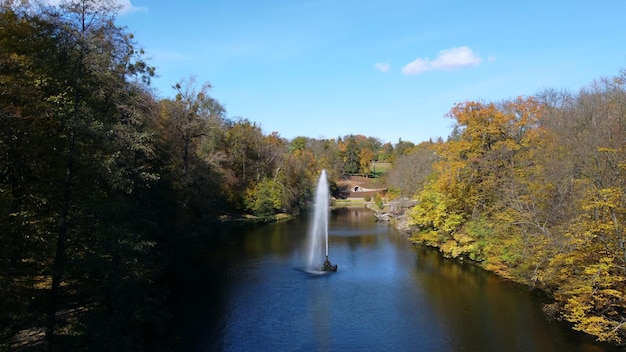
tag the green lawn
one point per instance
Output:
(381, 167)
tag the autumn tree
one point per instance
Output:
(191, 130)
(328, 156)
(74, 87)
(588, 261)
(410, 172)
(28, 172)
(533, 189)
(402, 148)
(473, 167)
(386, 152)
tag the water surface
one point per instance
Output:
(387, 295)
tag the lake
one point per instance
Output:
(387, 295)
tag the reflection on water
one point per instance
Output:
(386, 296)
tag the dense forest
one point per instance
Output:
(535, 190)
(108, 190)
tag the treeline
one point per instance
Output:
(107, 192)
(535, 189)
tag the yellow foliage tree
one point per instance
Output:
(473, 169)
(592, 272)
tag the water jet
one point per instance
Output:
(318, 231)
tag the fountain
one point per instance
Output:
(318, 231)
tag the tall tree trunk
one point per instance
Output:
(60, 255)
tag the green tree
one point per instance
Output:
(192, 132)
(298, 143)
(402, 147)
(386, 152)
(27, 170)
(351, 156)
(89, 150)
(246, 161)
(266, 198)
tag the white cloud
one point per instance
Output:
(382, 66)
(417, 66)
(446, 60)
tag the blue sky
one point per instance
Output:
(388, 69)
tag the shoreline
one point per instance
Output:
(551, 309)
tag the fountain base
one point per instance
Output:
(327, 266)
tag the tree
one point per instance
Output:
(588, 261)
(366, 158)
(26, 119)
(410, 172)
(386, 152)
(328, 156)
(471, 170)
(298, 143)
(266, 198)
(351, 156)
(533, 189)
(402, 147)
(188, 118)
(192, 131)
(69, 92)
